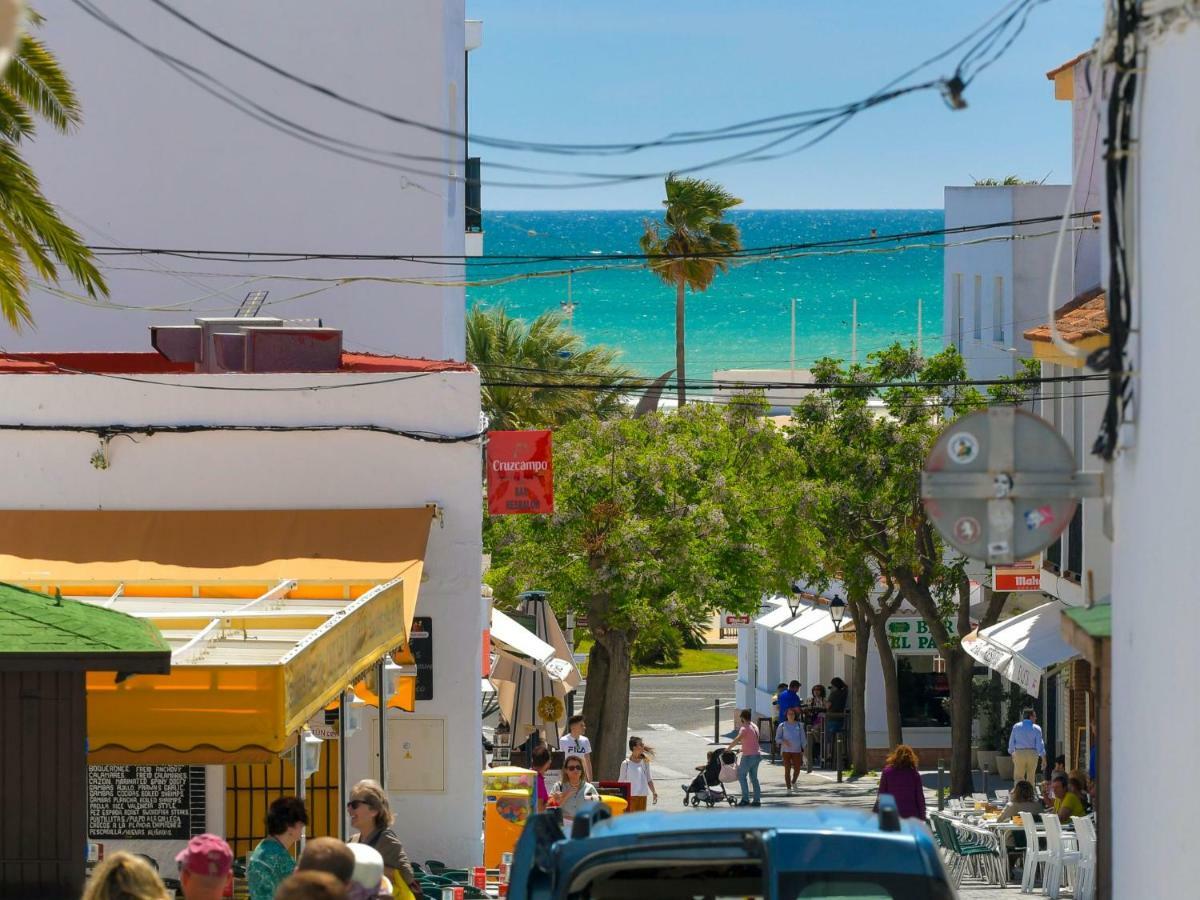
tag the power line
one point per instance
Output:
(106, 432)
(281, 256)
(728, 132)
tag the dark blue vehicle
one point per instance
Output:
(770, 854)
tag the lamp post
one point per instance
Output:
(794, 600)
(837, 610)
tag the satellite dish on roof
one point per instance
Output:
(1000, 484)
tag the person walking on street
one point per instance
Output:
(371, 815)
(1026, 747)
(573, 743)
(573, 791)
(792, 740)
(635, 770)
(902, 779)
(747, 767)
(206, 868)
(271, 861)
(835, 719)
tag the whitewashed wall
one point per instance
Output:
(158, 162)
(1156, 492)
(249, 470)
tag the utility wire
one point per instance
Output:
(516, 258)
(110, 431)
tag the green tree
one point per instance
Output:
(657, 519)
(525, 365)
(692, 228)
(31, 232)
(868, 460)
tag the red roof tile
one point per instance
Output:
(156, 364)
(1083, 317)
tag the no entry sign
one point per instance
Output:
(520, 473)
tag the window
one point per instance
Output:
(922, 692)
(956, 327)
(998, 309)
(977, 310)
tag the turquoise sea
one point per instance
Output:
(744, 319)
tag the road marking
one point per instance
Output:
(661, 726)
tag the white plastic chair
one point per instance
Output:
(982, 797)
(1002, 797)
(1062, 861)
(1085, 872)
(1034, 854)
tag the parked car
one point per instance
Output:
(770, 854)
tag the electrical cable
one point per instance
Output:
(110, 431)
(722, 133)
(513, 259)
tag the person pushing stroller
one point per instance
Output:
(708, 787)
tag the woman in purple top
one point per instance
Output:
(902, 780)
(540, 760)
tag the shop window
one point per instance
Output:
(924, 693)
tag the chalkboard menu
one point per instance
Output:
(420, 642)
(146, 802)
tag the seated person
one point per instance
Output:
(1060, 768)
(1066, 801)
(1021, 800)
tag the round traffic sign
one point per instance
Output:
(1000, 484)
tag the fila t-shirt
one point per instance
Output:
(574, 746)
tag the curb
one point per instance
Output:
(683, 674)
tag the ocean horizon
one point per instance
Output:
(744, 319)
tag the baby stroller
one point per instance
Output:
(709, 786)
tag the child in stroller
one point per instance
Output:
(709, 786)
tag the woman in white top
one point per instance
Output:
(636, 770)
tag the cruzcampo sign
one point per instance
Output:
(912, 635)
(520, 473)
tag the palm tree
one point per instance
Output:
(31, 232)
(523, 365)
(678, 247)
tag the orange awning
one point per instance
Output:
(270, 614)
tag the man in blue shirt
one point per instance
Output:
(1026, 747)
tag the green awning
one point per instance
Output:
(1096, 622)
(39, 632)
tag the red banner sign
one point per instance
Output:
(1022, 575)
(520, 473)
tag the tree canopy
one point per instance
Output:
(524, 365)
(656, 519)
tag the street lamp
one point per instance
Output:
(794, 600)
(837, 610)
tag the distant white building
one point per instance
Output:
(994, 290)
(159, 162)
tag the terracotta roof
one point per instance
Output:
(156, 364)
(1083, 317)
(1069, 64)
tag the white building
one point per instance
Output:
(160, 162)
(1155, 492)
(994, 290)
(57, 407)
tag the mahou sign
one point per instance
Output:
(520, 473)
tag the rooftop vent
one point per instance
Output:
(250, 344)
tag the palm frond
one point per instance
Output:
(30, 221)
(36, 79)
(13, 284)
(15, 121)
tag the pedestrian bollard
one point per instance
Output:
(837, 755)
(985, 775)
(716, 720)
(941, 784)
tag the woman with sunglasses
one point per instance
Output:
(573, 791)
(372, 816)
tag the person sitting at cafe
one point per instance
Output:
(1021, 801)
(1066, 797)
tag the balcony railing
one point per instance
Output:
(474, 196)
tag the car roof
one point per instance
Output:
(814, 820)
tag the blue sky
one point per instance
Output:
(616, 70)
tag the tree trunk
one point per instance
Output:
(606, 701)
(960, 668)
(681, 392)
(858, 711)
(891, 683)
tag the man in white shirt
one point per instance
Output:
(573, 743)
(1026, 747)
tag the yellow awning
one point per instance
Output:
(270, 614)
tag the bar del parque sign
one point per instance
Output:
(912, 635)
